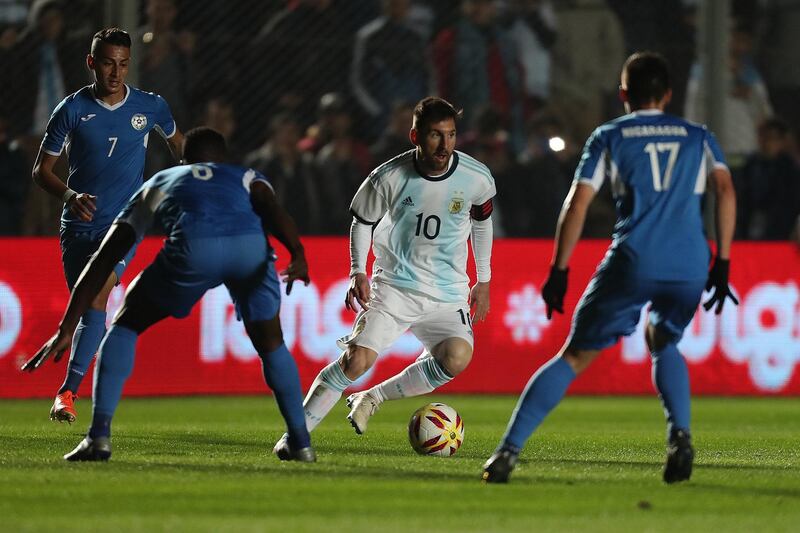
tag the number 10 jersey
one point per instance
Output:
(422, 223)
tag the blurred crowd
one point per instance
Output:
(316, 93)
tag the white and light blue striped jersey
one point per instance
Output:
(657, 165)
(423, 222)
(106, 147)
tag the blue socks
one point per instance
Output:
(114, 365)
(671, 379)
(88, 334)
(543, 392)
(281, 375)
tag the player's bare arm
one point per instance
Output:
(80, 204)
(175, 144)
(118, 241)
(280, 224)
(568, 232)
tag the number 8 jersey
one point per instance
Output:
(657, 165)
(423, 222)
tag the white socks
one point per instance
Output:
(324, 393)
(421, 377)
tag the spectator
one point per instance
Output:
(342, 164)
(533, 31)
(14, 183)
(666, 27)
(13, 14)
(389, 63)
(586, 59)
(302, 53)
(779, 54)
(476, 63)
(164, 57)
(547, 168)
(290, 171)
(395, 139)
(746, 104)
(49, 65)
(769, 186)
(220, 115)
(321, 132)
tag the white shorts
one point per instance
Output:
(392, 311)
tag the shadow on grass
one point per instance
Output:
(659, 464)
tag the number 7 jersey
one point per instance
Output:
(106, 147)
(423, 222)
(657, 165)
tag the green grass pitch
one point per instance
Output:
(204, 464)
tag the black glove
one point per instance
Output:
(718, 280)
(554, 289)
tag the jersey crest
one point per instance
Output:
(456, 205)
(139, 122)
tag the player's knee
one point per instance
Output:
(579, 360)
(266, 335)
(455, 357)
(655, 338)
(357, 360)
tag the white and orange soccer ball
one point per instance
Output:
(436, 429)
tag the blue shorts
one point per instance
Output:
(77, 248)
(612, 303)
(185, 269)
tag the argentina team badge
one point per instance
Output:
(138, 121)
(456, 205)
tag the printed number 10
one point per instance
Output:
(425, 227)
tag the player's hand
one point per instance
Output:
(56, 347)
(357, 292)
(82, 205)
(718, 280)
(479, 301)
(297, 269)
(554, 289)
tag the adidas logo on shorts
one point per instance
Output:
(408, 202)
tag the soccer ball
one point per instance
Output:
(436, 429)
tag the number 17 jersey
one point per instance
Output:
(657, 165)
(423, 222)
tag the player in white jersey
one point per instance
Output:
(423, 205)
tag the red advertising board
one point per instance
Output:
(747, 350)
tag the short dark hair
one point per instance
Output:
(111, 36)
(434, 109)
(204, 144)
(775, 124)
(646, 77)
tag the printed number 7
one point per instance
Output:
(113, 141)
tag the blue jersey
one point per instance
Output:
(106, 147)
(657, 165)
(196, 201)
